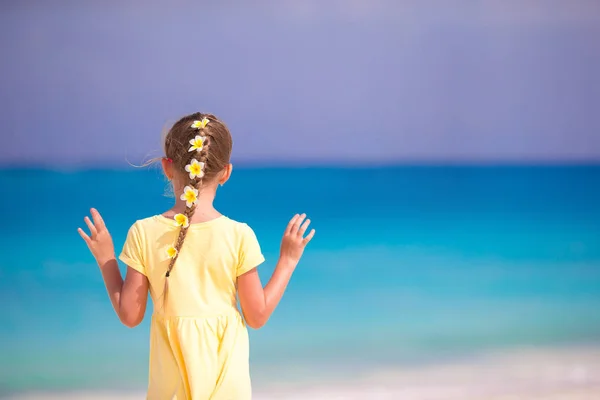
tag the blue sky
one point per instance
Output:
(95, 83)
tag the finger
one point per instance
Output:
(93, 230)
(290, 224)
(297, 223)
(309, 237)
(98, 221)
(84, 236)
(303, 227)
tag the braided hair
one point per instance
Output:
(199, 146)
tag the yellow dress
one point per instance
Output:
(198, 340)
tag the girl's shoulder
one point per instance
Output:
(160, 222)
(150, 222)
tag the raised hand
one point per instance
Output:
(294, 242)
(99, 241)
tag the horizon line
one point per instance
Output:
(312, 165)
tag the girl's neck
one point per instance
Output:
(205, 211)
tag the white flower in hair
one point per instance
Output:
(171, 252)
(190, 195)
(195, 168)
(182, 220)
(197, 143)
(200, 124)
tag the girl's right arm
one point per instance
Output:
(128, 296)
(258, 303)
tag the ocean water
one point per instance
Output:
(410, 265)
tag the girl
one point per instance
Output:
(195, 261)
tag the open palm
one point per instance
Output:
(99, 240)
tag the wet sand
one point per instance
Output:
(536, 374)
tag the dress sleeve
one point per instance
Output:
(250, 255)
(132, 250)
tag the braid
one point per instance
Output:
(205, 161)
(196, 183)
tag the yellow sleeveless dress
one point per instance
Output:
(198, 340)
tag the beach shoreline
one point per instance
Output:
(551, 374)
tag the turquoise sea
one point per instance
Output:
(411, 264)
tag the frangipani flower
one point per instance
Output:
(200, 124)
(195, 168)
(182, 220)
(190, 195)
(197, 143)
(172, 252)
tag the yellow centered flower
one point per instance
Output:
(200, 124)
(195, 168)
(172, 252)
(182, 220)
(197, 143)
(190, 195)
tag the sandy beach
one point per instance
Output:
(536, 374)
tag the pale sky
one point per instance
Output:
(95, 83)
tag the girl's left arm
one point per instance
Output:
(128, 296)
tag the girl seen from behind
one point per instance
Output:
(196, 263)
